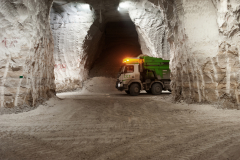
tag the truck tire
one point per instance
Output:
(156, 89)
(134, 89)
(128, 92)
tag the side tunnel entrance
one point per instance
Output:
(91, 41)
(88, 44)
(121, 41)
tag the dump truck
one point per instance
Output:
(144, 73)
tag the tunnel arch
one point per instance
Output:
(151, 29)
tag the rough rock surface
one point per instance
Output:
(201, 38)
(26, 49)
(151, 25)
(205, 52)
(76, 40)
(72, 23)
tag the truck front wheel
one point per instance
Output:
(156, 89)
(134, 89)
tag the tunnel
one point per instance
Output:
(63, 43)
(60, 61)
(94, 43)
(121, 41)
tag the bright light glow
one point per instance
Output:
(83, 7)
(131, 60)
(124, 5)
(86, 6)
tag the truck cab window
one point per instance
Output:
(129, 69)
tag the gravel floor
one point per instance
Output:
(118, 126)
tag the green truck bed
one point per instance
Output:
(159, 66)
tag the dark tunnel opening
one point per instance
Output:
(121, 41)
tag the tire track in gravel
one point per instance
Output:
(195, 137)
(209, 142)
(175, 146)
(198, 136)
(29, 148)
(136, 140)
(116, 129)
(223, 146)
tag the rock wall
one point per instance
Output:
(201, 38)
(205, 51)
(26, 52)
(152, 27)
(76, 37)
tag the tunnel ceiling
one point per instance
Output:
(100, 4)
(108, 8)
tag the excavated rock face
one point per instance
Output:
(201, 38)
(73, 23)
(152, 27)
(76, 40)
(26, 49)
(205, 51)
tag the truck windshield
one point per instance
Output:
(129, 69)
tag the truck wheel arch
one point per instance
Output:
(135, 81)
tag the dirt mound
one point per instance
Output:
(100, 85)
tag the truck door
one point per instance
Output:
(128, 73)
(136, 72)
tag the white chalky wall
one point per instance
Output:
(73, 27)
(203, 47)
(150, 21)
(26, 49)
(76, 42)
(205, 52)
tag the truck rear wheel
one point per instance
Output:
(156, 89)
(134, 89)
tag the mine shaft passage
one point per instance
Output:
(121, 41)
